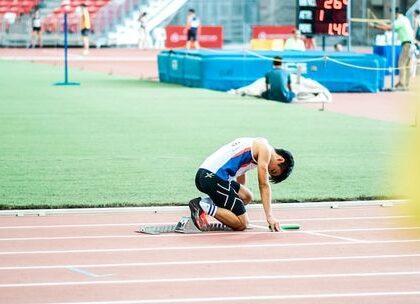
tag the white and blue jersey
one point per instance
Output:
(232, 160)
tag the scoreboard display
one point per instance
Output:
(323, 17)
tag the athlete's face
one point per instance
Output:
(274, 165)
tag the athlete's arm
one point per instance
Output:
(263, 153)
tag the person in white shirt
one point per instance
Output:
(159, 36)
(405, 33)
(222, 176)
(192, 29)
(143, 33)
(295, 43)
(36, 30)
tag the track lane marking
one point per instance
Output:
(257, 298)
(319, 232)
(165, 248)
(199, 262)
(212, 279)
(87, 273)
(335, 237)
(169, 223)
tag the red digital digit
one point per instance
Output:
(330, 29)
(337, 28)
(345, 29)
(321, 15)
(328, 4)
(344, 2)
(338, 4)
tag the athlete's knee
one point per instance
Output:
(244, 222)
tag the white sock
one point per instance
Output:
(208, 206)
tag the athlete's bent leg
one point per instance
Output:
(245, 195)
(236, 222)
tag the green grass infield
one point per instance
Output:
(123, 142)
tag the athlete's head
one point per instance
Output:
(277, 61)
(280, 166)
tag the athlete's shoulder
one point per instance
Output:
(260, 140)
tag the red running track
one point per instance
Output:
(345, 255)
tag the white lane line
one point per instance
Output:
(319, 232)
(334, 237)
(180, 248)
(367, 229)
(259, 227)
(87, 273)
(41, 226)
(207, 262)
(258, 298)
(213, 279)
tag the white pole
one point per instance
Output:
(393, 53)
(349, 23)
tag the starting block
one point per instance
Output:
(185, 225)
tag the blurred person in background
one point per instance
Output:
(278, 83)
(405, 33)
(416, 23)
(159, 36)
(85, 26)
(143, 34)
(192, 29)
(295, 43)
(310, 42)
(36, 35)
(338, 47)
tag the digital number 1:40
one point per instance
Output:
(341, 29)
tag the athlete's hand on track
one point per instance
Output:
(273, 223)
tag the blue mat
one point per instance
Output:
(225, 70)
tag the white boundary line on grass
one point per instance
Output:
(158, 209)
(216, 247)
(215, 261)
(217, 279)
(258, 298)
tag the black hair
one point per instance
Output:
(417, 11)
(277, 61)
(191, 10)
(286, 167)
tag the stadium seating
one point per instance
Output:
(54, 21)
(18, 7)
(14, 8)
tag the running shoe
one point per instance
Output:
(198, 216)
